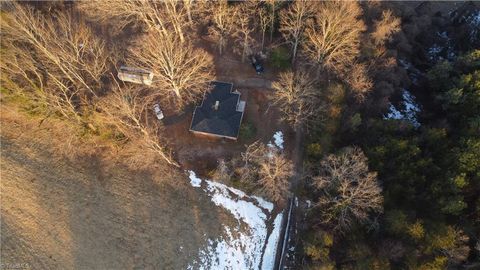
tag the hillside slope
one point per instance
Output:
(59, 215)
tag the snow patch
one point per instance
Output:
(240, 246)
(194, 180)
(242, 210)
(278, 139)
(410, 111)
(309, 203)
(270, 252)
(263, 203)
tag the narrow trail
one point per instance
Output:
(297, 156)
(289, 239)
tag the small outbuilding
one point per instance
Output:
(220, 114)
(135, 75)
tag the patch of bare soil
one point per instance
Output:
(87, 214)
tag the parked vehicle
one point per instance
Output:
(256, 64)
(158, 111)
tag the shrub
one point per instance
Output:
(247, 131)
(439, 263)
(314, 150)
(416, 230)
(318, 244)
(317, 253)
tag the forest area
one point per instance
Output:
(380, 102)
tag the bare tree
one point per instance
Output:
(247, 165)
(264, 18)
(333, 37)
(359, 80)
(297, 97)
(223, 19)
(385, 27)
(166, 16)
(244, 27)
(189, 6)
(179, 14)
(21, 76)
(274, 175)
(264, 168)
(349, 192)
(273, 8)
(179, 70)
(59, 57)
(223, 173)
(126, 108)
(119, 14)
(293, 22)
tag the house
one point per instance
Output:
(135, 75)
(220, 113)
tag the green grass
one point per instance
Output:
(280, 58)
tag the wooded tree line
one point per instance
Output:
(428, 175)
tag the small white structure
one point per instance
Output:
(135, 75)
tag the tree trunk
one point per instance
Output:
(245, 45)
(180, 34)
(294, 54)
(220, 45)
(263, 39)
(177, 92)
(189, 14)
(273, 21)
(244, 52)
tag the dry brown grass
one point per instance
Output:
(89, 210)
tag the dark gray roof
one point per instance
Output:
(222, 122)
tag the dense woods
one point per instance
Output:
(385, 192)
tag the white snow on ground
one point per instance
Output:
(242, 210)
(410, 112)
(241, 246)
(194, 180)
(309, 203)
(271, 248)
(278, 139)
(263, 203)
